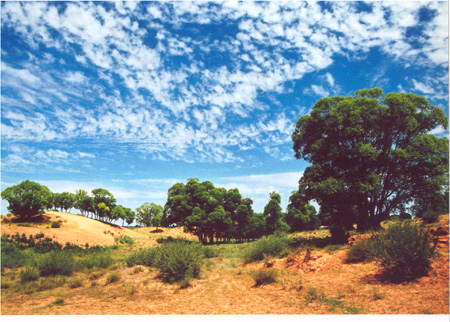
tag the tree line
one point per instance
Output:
(371, 155)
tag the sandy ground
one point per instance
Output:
(80, 230)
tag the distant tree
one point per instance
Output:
(130, 216)
(80, 196)
(102, 210)
(103, 196)
(27, 199)
(206, 211)
(301, 215)
(274, 215)
(146, 212)
(118, 212)
(256, 227)
(371, 155)
(67, 201)
(156, 220)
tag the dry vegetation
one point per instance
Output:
(310, 280)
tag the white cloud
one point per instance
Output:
(424, 88)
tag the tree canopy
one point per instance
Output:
(147, 212)
(371, 154)
(27, 199)
(207, 211)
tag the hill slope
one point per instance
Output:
(80, 230)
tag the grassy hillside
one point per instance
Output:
(306, 276)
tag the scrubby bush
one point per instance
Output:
(404, 250)
(12, 256)
(144, 257)
(29, 274)
(56, 224)
(266, 247)
(360, 252)
(430, 216)
(56, 263)
(208, 252)
(102, 260)
(125, 240)
(112, 278)
(179, 261)
(264, 276)
(339, 234)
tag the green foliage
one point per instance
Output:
(102, 260)
(300, 214)
(178, 261)
(114, 277)
(339, 234)
(144, 257)
(264, 276)
(274, 215)
(56, 263)
(146, 212)
(56, 224)
(76, 283)
(360, 252)
(208, 252)
(404, 250)
(431, 216)
(125, 240)
(12, 256)
(365, 145)
(271, 246)
(29, 274)
(27, 199)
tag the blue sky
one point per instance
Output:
(136, 96)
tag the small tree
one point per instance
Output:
(274, 215)
(27, 199)
(146, 212)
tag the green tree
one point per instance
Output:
(146, 212)
(118, 212)
(108, 200)
(301, 215)
(67, 201)
(27, 199)
(274, 215)
(130, 216)
(370, 154)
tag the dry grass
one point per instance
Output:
(226, 287)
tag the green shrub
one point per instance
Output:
(266, 247)
(112, 278)
(264, 276)
(12, 256)
(144, 257)
(29, 274)
(56, 263)
(76, 283)
(339, 234)
(430, 216)
(125, 240)
(102, 260)
(39, 235)
(208, 252)
(179, 261)
(56, 224)
(404, 250)
(360, 252)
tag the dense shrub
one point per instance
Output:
(56, 224)
(102, 260)
(339, 234)
(404, 250)
(208, 252)
(29, 274)
(266, 247)
(179, 261)
(56, 263)
(12, 256)
(430, 216)
(112, 278)
(264, 276)
(144, 257)
(125, 240)
(360, 252)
